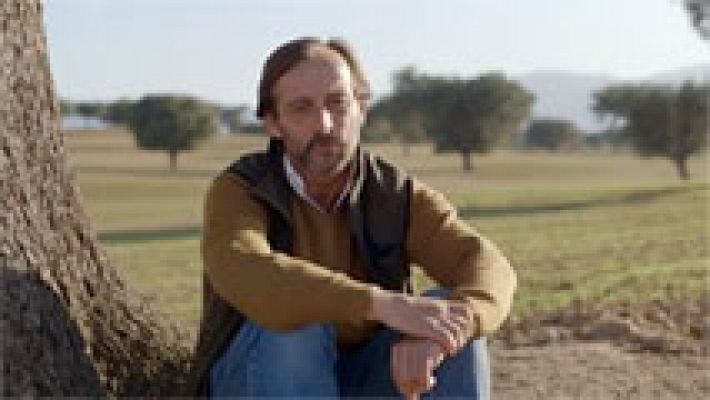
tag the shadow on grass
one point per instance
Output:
(149, 172)
(143, 235)
(639, 196)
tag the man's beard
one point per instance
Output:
(324, 165)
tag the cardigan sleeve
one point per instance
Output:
(279, 291)
(457, 257)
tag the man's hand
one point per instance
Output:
(414, 361)
(447, 322)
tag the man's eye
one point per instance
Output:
(339, 103)
(301, 108)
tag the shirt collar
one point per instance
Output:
(298, 186)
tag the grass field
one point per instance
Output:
(590, 226)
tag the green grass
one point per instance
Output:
(590, 226)
(600, 245)
(167, 272)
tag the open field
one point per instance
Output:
(612, 254)
(582, 226)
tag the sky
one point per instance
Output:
(214, 49)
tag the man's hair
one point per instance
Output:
(286, 56)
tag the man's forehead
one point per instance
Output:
(322, 70)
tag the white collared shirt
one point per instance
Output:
(296, 182)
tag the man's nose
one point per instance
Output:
(324, 121)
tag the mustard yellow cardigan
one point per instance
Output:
(322, 281)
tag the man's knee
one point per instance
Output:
(301, 348)
(263, 362)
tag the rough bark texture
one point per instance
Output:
(69, 325)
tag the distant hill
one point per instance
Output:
(568, 95)
(696, 73)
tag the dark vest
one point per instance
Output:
(378, 215)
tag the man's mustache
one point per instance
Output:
(321, 139)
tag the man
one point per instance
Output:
(307, 248)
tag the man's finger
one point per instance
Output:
(443, 334)
(397, 368)
(457, 333)
(401, 372)
(462, 310)
(432, 383)
(431, 380)
(414, 387)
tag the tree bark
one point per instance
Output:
(70, 326)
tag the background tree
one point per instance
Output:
(484, 112)
(464, 115)
(89, 109)
(377, 130)
(66, 107)
(400, 115)
(699, 12)
(553, 135)
(70, 326)
(475, 115)
(660, 120)
(119, 112)
(388, 121)
(231, 117)
(172, 124)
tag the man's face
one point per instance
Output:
(317, 116)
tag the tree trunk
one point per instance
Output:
(681, 164)
(172, 155)
(69, 324)
(466, 159)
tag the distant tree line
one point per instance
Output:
(464, 115)
(468, 116)
(169, 123)
(121, 111)
(478, 114)
(553, 135)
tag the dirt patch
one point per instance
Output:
(596, 370)
(660, 326)
(655, 350)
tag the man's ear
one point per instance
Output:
(364, 109)
(271, 126)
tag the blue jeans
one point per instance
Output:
(306, 363)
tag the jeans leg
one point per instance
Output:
(367, 370)
(466, 374)
(260, 362)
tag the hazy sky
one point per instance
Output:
(105, 49)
